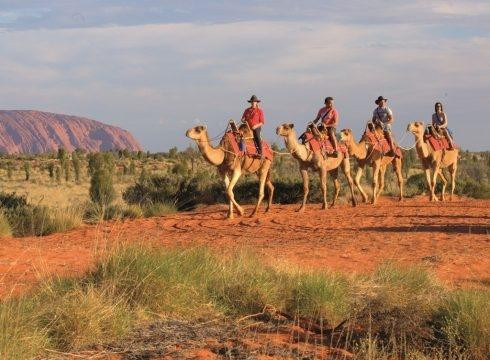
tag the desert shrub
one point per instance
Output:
(158, 209)
(132, 168)
(102, 188)
(67, 170)
(12, 200)
(57, 172)
(462, 322)
(51, 170)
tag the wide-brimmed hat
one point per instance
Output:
(253, 99)
(379, 99)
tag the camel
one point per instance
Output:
(231, 167)
(308, 159)
(366, 155)
(434, 161)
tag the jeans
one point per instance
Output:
(258, 139)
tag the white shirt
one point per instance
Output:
(382, 114)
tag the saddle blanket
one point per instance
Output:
(325, 146)
(381, 143)
(250, 149)
(437, 144)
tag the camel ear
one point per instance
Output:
(291, 126)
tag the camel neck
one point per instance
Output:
(358, 150)
(422, 149)
(214, 156)
(298, 150)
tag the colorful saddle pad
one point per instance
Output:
(250, 148)
(436, 143)
(380, 143)
(325, 146)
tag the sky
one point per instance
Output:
(157, 68)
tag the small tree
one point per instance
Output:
(27, 169)
(51, 170)
(132, 168)
(10, 170)
(67, 170)
(76, 166)
(57, 172)
(102, 188)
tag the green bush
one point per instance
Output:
(158, 209)
(102, 188)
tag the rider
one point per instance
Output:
(330, 119)
(439, 122)
(254, 117)
(383, 117)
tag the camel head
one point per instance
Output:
(197, 133)
(346, 135)
(285, 130)
(417, 128)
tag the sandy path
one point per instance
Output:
(453, 239)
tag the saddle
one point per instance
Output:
(380, 143)
(436, 142)
(324, 146)
(250, 149)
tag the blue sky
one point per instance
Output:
(157, 68)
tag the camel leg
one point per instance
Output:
(323, 184)
(444, 184)
(336, 184)
(226, 179)
(434, 182)
(357, 181)
(270, 188)
(346, 170)
(397, 168)
(262, 178)
(306, 190)
(429, 183)
(375, 183)
(229, 191)
(382, 172)
(452, 172)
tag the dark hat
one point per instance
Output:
(328, 98)
(253, 99)
(379, 99)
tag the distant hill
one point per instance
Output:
(30, 131)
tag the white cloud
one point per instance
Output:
(138, 76)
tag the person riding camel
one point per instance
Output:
(330, 119)
(383, 117)
(439, 123)
(253, 116)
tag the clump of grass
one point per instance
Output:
(244, 285)
(5, 229)
(84, 315)
(396, 304)
(159, 209)
(20, 338)
(325, 297)
(463, 322)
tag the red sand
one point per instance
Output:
(451, 238)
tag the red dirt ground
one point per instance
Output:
(450, 238)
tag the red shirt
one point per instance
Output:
(328, 116)
(253, 116)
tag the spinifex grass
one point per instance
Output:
(394, 312)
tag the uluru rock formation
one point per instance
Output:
(30, 131)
